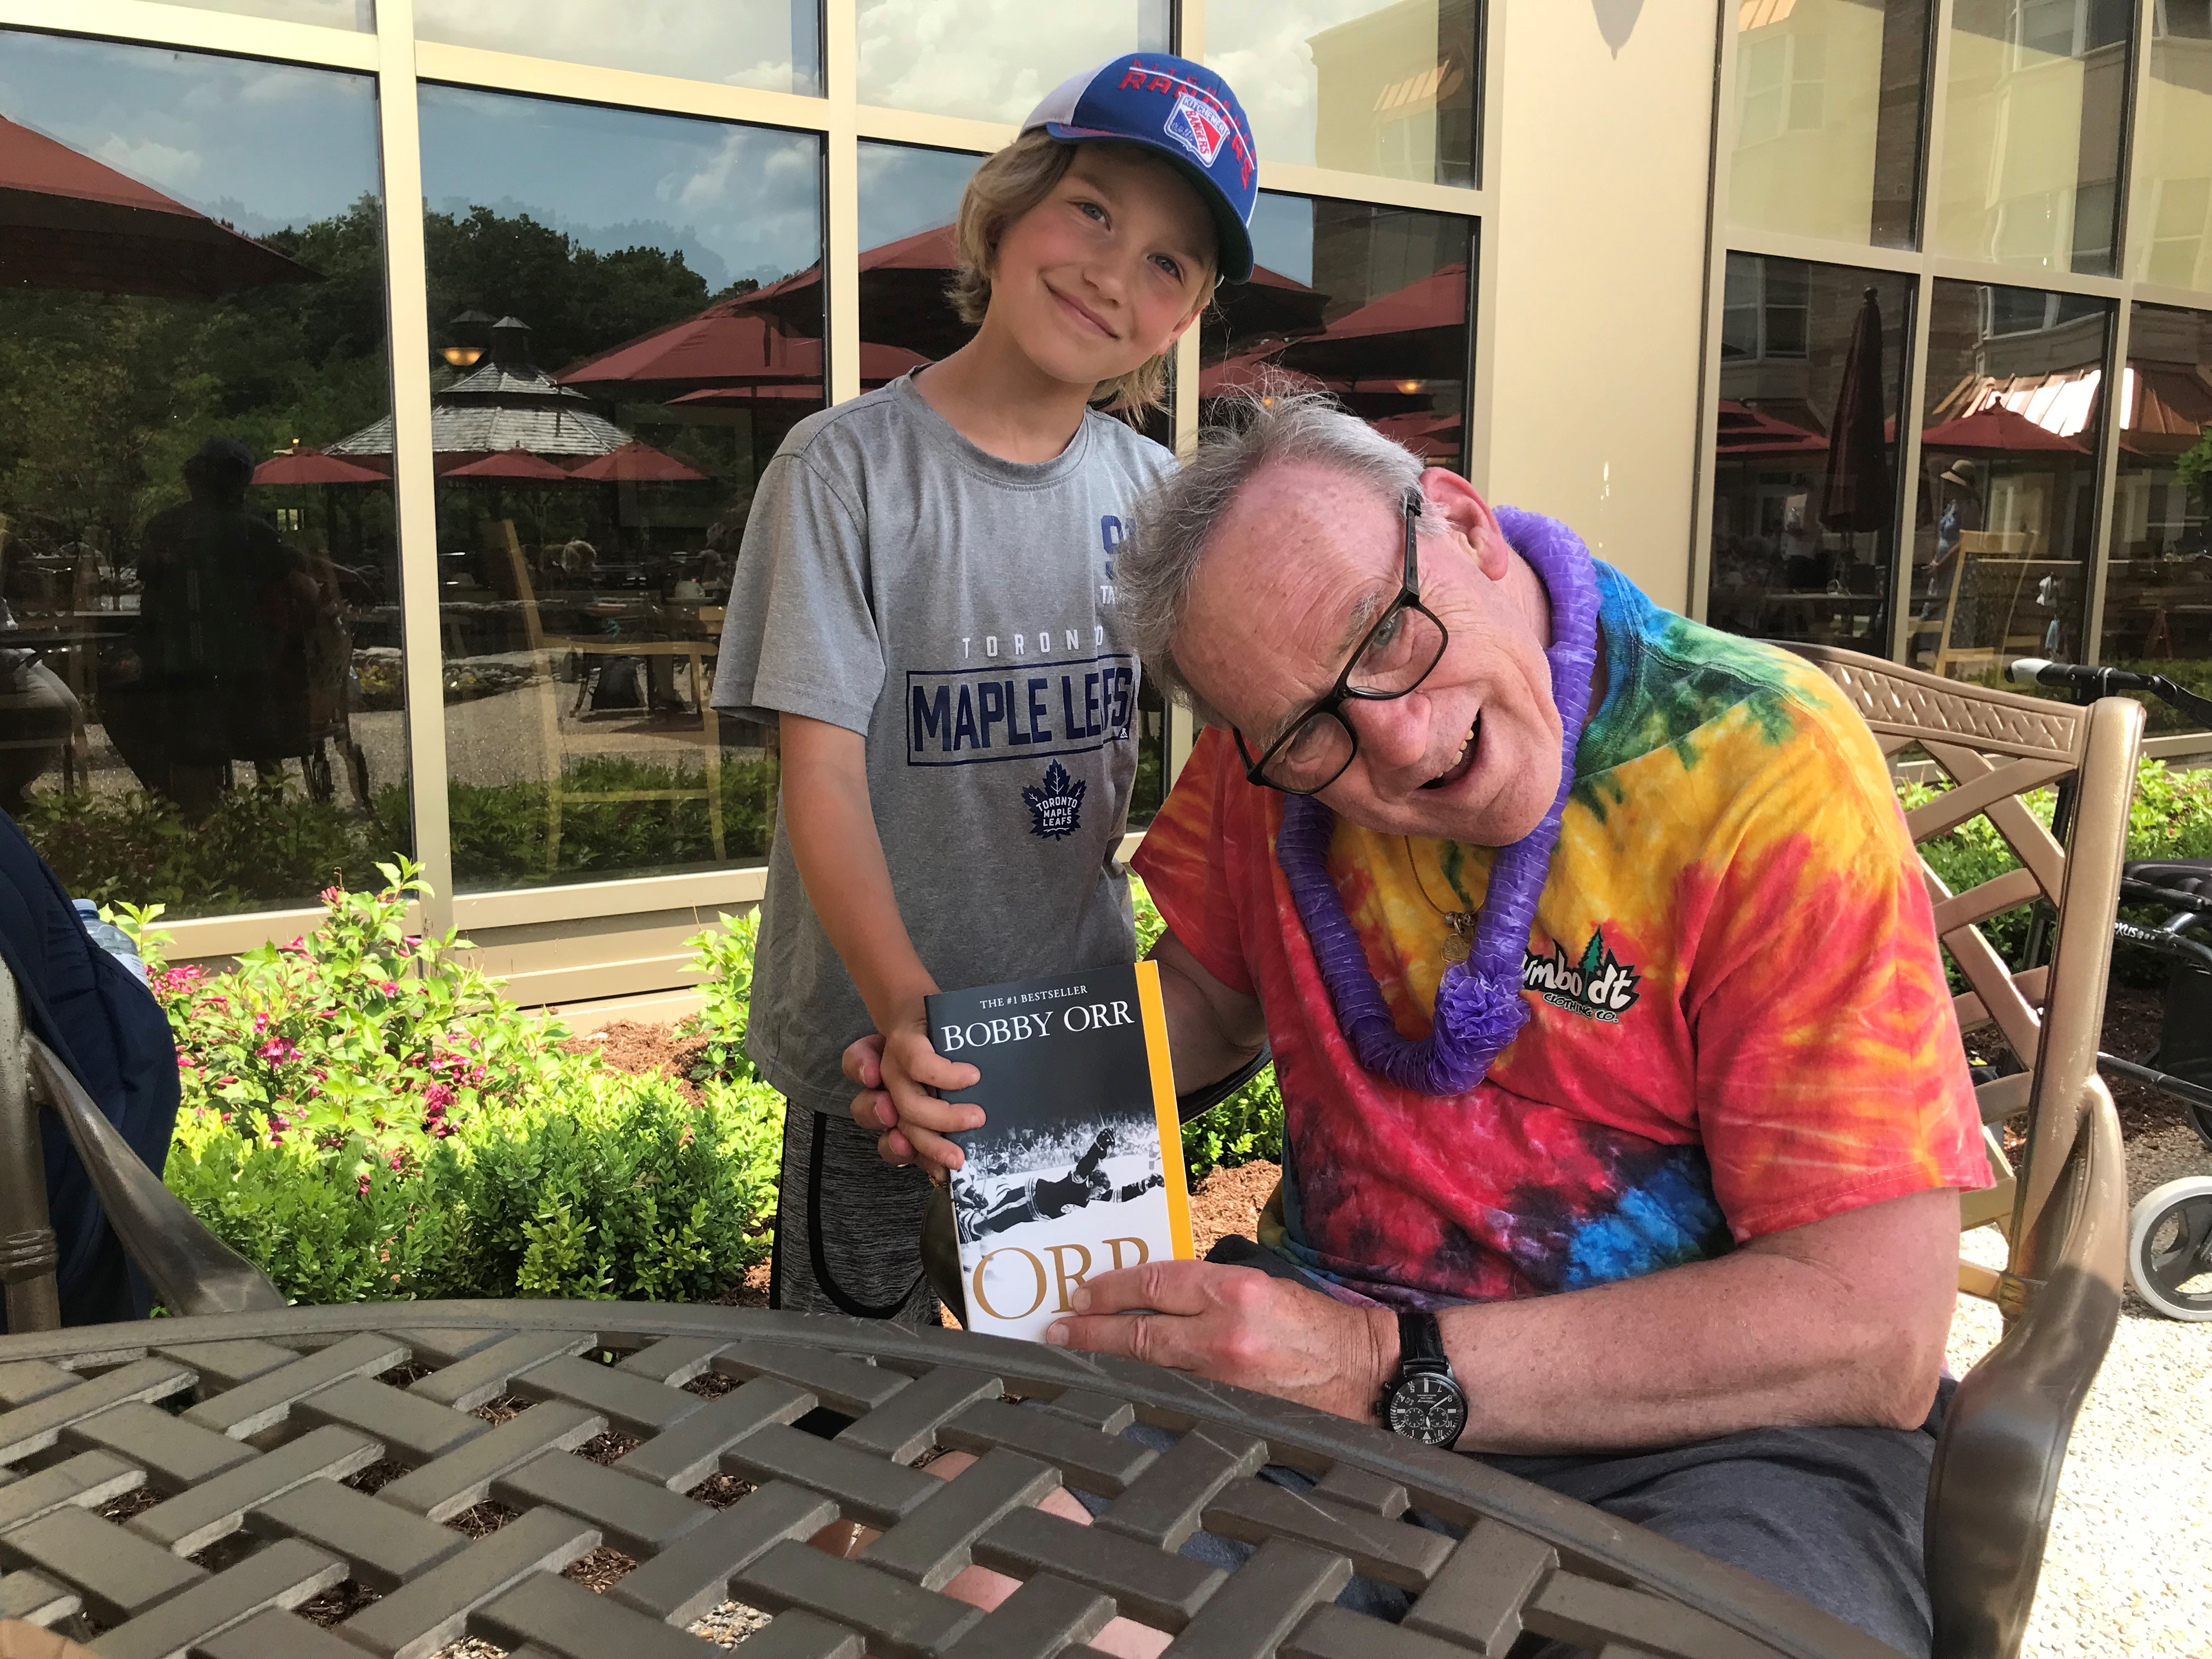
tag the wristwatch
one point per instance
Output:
(1423, 1401)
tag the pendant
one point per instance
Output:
(1459, 944)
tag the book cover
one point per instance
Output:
(1078, 1168)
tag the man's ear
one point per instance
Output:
(1455, 501)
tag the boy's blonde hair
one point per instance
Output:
(1008, 184)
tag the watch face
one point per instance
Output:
(1428, 1407)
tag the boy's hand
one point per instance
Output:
(896, 1075)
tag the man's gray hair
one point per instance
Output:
(1276, 424)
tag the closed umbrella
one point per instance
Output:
(69, 222)
(1857, 493)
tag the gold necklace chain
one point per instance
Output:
(1459, 942)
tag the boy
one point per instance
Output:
(924, 603)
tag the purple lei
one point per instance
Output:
(1480, 1008)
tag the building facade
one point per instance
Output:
(332, 532)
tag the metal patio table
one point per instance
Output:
(291, 1451)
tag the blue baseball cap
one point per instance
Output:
(1185, 111)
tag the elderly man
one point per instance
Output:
(1625, 1110)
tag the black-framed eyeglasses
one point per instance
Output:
(1396, 654)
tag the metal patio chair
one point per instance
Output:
(2063, 1211)
(191, 1270)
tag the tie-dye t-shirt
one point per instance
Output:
(1739, 1020)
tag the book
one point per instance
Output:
(1078, 1167)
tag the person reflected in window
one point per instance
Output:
(226, 611)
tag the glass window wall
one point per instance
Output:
(1369, 303)
(2009, 445)
(2170, 219)
(993, 60)
(1828, 117)
(2158, 588)
(626, 310)
(775, 46)
(1805, 497)
(200, 678)
(2031, 164)
(1385, 86)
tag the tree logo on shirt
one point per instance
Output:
(1055, 810)
(1600, 986)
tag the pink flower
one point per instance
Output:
(361, 1191)
(260, 1024)
(437, 1097)
(331, 894)
(441, 1129)
(276, 1049)
(398, 1158)
(390, 987)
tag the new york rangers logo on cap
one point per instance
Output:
(1198, 128)
(1184, 111)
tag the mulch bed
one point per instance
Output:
(2132, 1018)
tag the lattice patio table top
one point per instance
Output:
(184, 1485)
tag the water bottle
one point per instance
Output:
(110, 938)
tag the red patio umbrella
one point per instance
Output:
(1746, 432)
(1252, 370)
(69, 222)
(516, 465)
(1418, 331)
(721, 346)
(302, 465)
(1996, 430)
(903, 298)
(637, 462)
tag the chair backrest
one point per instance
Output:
(1996, 1466)
(1994, 747)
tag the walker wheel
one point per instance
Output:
(2169, 1247)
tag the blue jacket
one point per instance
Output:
(105, 1026)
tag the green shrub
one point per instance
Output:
(260, 847)
(723, 956)
(609, 1187)
(2171, 818)
(365, 1116)
(500, 830)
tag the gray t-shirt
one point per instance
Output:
(956, 611)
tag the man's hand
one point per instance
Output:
(1240, 1325)
(895, 1077)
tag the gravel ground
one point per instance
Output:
(2129, 1569)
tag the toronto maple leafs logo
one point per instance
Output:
(1056, 809)
(1198, 127)
(1598, 987)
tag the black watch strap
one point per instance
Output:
(1420, 1340)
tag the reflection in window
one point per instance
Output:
(1368, 303)
(1805, 464)
(2170, 221)
(619, 352)
(331, 13)
(1827, 129)
(1385, 86)
(2030, 169)
(909, 200)
(199, 641)
(993, 60)
(2158, 591)
(2008, 488)
(771, 45)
